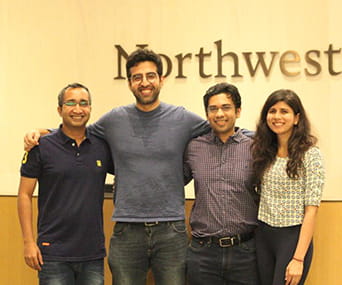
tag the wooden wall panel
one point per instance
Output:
(325, 268)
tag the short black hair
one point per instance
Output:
(223, 87)
(72, 86)
(141, 55)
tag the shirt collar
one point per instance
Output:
(65, 139)
(236, 137)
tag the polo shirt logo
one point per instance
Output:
(99, 163)
(24, 158)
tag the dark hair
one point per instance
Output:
(265, 144)
(141, 55)
(72, 86)
(223, 87)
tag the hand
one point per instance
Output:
(294, 271)
(31, 139)
(32, 255)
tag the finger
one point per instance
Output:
(294, 281)
(288, 280)
(32, 142)
(32, 138)
(287, 277)
(30, 261)
(40, 259)
(29, 139)
(28, 145)
(36, 137)
(37, 263)
(38, 267)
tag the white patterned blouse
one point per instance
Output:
(283, 199)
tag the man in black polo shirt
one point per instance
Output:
(70, 166)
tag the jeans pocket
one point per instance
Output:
(119, 229)
(248, 246)
(179, 226)
(195, 245)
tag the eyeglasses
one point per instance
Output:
(215, 109)
(139, 77)
(82, 103)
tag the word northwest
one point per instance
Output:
(237, 65)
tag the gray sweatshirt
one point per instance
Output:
(147, 150)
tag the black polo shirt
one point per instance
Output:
(70, 195)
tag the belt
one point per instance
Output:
(225, 241)
(150, 224)
(145, 224)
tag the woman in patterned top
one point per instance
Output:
(289, 169)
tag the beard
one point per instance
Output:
(146, 100)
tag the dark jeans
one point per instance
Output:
(275, 249)
(72, 273)
(134, 248)
(210, 264)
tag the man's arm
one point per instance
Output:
(187, 172)
(248, 133)
(31, 138)
(32, 254)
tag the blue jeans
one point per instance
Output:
(136, 247)
(72, 273)
(209, 263)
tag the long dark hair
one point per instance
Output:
(265, 145)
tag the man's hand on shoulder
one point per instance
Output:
(248, 133)
(31, 139)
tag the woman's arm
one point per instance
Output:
(294, 270)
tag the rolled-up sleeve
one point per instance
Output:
(314, 177)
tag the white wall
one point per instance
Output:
(45, 45)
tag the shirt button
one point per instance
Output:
(78, 154)
(73, 144)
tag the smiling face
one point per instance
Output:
(146, 91)
(281, 119)
(222, 115)
(75, 117)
